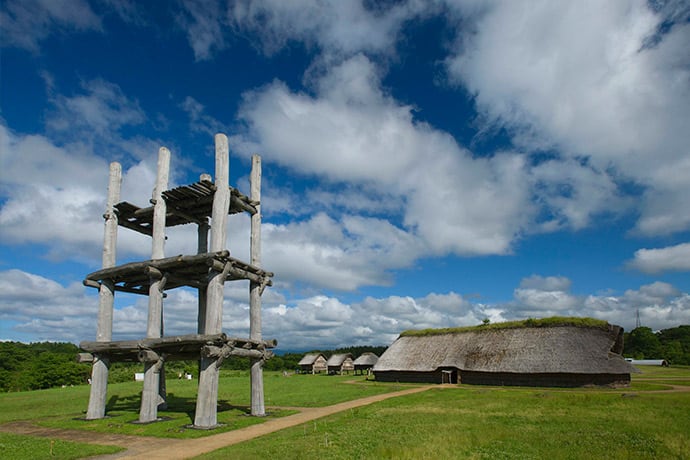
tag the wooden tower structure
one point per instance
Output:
(206, 271)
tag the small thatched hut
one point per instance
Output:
(339, 363)
(312, 363)
(565, 352)
(365, 362)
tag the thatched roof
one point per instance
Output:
(543, 349)
(338, 360)
(309, 359)
(366, 359)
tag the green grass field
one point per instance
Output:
(644, 421)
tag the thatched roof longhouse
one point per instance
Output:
(555, 354)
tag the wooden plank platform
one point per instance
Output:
(186, 204)
(192, 271)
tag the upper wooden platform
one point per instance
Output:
(185, 205)
(192, 271)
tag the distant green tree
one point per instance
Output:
(675, 343)
(642, 343)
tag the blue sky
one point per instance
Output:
(425, 163)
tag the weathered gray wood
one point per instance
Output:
(221, 199)
(207, 398)
(173, 341)
(93, 284)
(202, 247)
(148, 356)
(212, 351)
(151, 396)
(85, 358)
(239, 203)
(258, 408)
(104, 331)
(167, 263)
(188, 339)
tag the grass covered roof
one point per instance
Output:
(554, 321)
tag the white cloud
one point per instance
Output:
(203, 22)
(55, 196)
(548, 283)
(54, 190)
(672, 258)
(44, 309)
(199, 120)
(25, 23)
(660, 304)
(353, 133)
(540, 296)
(575, 193)
(101, 111)
(334, 26)
(606, 94)
(338, 254)
(321, 322)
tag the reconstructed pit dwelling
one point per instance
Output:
(205, 271)
(561, 352)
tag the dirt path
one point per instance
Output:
(150, 448)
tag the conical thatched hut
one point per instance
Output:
(312, 363)
(339, 363)
(563, 352)
(365, 362)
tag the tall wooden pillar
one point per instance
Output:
(151, 396)
(202, 247)
(207, 398)
(257, 378)
(104, 333)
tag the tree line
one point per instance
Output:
(42, 365)
(673, 344)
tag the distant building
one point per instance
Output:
(337, 364)
(567, 352)
(365, 362)
(648, 362)
(312, 363)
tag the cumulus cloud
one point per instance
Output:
(607, 95)
(46, 310)
(352, 132)
(339, 254)
(25, 23)
(672, 258)
(199, 120)
(660, 304)
(333, 26)
(54, 185)
(203, 22)
(540, 296)
(321, 321)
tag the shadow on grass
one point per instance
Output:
(176, 404)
